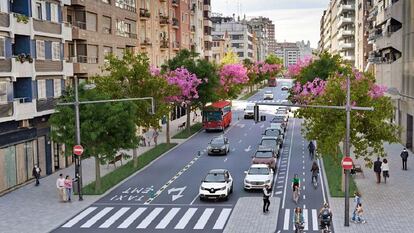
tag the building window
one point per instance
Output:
(106, 52)
(240, 54)
(126, 4)
(91, 21)
(106, 25)
(3, 91)
(54, 16)
(57, 84)
(55, 51)
(41, 89)
(106, 1)
(40, 50)
(2, 47)
(38, 11)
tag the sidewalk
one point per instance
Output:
(36, 209)
(387, 207)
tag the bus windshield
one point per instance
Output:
(212, 116)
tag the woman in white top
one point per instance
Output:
(385, 169)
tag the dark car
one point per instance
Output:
(218, 145)
(265, 156)
(275, 132)
(271, 142)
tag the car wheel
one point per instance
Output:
(225, 152)
(201, 198)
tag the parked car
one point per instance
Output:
(218, 145)
(265, 155)
(280, 126)
(218, 183)
(270, 143)
(279, 120)
(258, 176)
(275, 132)
(285, 88)
(286, 102)
(249, 111)
(268, 95)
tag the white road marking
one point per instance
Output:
(79, 217)
(148, 220)
(322, 181)
(221, 221)
(132, 218)
(303, 180)
(280, 181)
(305, 219)
(280, 186)
(167, 219)
(240, 141)
(202, 221)
(286, 222)
(303, 167)
(185, 219)
(225, 159)
(304, 196)
(304, 187)
(290, 153)
(281, 173)
(281, 177)
(303, 173)
(278, 192)
(114, 217)
(314, 220)
(95, 218)
(249, 148)
(194, 200)
(304, 206)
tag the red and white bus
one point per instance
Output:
(271, 82)
(217, 116)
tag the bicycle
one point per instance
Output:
(296, 195)
(326, 229)
(299, 227)
(315, 181)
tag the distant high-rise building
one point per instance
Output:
(290, 52)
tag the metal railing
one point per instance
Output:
(80, 24)
(85, 59)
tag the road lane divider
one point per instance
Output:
(288, 163)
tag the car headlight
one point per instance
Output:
(202, 188)
(209, 147)
(223, 147)
(223, 188)
(247, 181)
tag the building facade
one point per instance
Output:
(290, 53)
(33, 70)
(260, 29)
(362, 27)
(220, 47)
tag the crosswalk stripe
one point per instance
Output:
(132, 218)
(79, 217)
(286, 223)
(98, 216)
(202, 221)
(221, 221)
(114, 217)
(186, 218)
(314, 220)
(147, 221)
(167, 219)
(305, 219)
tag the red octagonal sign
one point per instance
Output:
(347, 163)
(78, 150)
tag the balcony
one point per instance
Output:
(346, 45)
(345, 20)
(127, 34)
(373, 12)
(174, 3)
(193, 28)
(164, 44)
(22, 69)
(78, 2)
(345, 32)
(5, 66)
(83, 64)
(22, 24)
(146, 42)
(67, 31)
(23, 110)
(193, 8)
(126, 6)
(175, 23)
(176, 45)
(164, 20)
(144, 14)
(47, 26)
(375, 34)
(48, 66)
(344, 8)
(46, 104)
(375, 57)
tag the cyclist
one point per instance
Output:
(325, 214)
(298, 220)
(296, 188)
(311, 148)
(315, 172)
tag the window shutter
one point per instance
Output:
(34, 89)
(8, 47)
(48, 50)
(48, 12)
(60, 16)
(33, 48)
(10, 94)
(49, 88)
(61, 51)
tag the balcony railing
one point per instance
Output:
(144, 13)
(175, 22)
(80, 24)
(126, 7)
(84, 59)
(176, 45)
(175, 3)
(146, 42)
(127, 34)
(164, 20)
(106, 30)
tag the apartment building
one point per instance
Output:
(271, 37)
(220, 47)
(240, 34)
(393, 57)
(33, 71)
(362, 27)
(290, 52)
(260, 28)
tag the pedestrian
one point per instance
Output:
(377, 169)
(60, 185)
(148, 137)
(36, 174)
(385, 169)
(357, 201)
(195, 116)
(359, 213)
(266, 196)
(155, 136)
(404, 157)
(143, 137)
(68, 187)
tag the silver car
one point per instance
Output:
(218, 145)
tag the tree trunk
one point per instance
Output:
(188, 119)
(135, 157)
(167, 130)
(97, 174)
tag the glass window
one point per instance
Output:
(40, 49)
(41, 89)
(215, 177)
(3, 91)
(57, 84)
(91, 21)
(106, 25)
(38, 11)
(55, 51)
(2, 47)
(54, 16)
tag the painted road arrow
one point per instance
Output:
(248, 149)
(180, 191)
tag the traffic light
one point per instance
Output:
(256, 113)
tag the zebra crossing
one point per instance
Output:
(310, 217)
(264, 101)
(151, 217)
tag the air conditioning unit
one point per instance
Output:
(24, 124)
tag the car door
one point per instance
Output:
(229, 179)
(227, 144)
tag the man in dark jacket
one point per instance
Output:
(404, 157)
(377, 169)
(36, 174)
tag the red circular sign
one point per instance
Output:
(78, 150)
(347, 163)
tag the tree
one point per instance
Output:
(232, 79)
(229, 58)
(273, 59)
(105, 128)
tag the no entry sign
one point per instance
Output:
(347, 163)
(78, 150)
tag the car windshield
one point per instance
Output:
(214, 177)
(217, 141)
(270, 132)
(263, 154)
(268, 92)
(268, 142)
(249, 107)
(259, 171)
(213, 116)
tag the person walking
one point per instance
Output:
(357, 201)
(148, 137)
(298, 220)
(68, 187)
(155, 136)
(377, 169)
(36, 174)
(60, 185)
(404, 157)
(359, 213)
(311, 148)
(385, 169)
(266, 196)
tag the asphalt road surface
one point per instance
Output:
(164, 196)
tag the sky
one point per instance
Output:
(294, 20)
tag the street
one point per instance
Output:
(164, 196)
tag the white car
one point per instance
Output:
(249, 111)
(258, 176)
(268, 95)
(218, 183)
(285, 88)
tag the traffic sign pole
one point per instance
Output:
(78, 160)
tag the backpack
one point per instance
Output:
(325, 214)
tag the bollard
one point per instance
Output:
(198, 153)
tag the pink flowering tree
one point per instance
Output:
(232, 79)
(369, 129)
